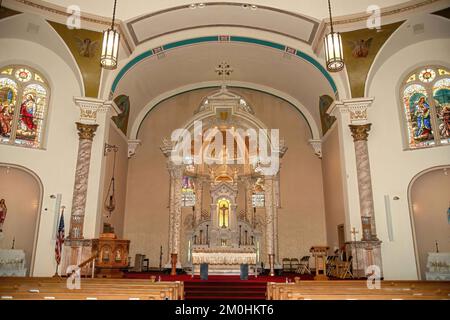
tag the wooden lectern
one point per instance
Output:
(112, 255)
(320, 255)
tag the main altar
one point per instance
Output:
(223, 203)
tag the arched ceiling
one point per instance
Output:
(316, 9)
(253, 65)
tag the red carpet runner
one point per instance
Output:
(221, 287)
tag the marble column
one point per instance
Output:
(360, 134)
(198, 200)
(176, 175)
(249, 200)
(86, 134)
(276, 189)
(269, 206)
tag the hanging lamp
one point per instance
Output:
(110, 47)
(334, 55)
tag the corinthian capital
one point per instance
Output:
(86, 131)
(360, 132)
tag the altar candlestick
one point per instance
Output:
(437, 247)
(246, 232)
(207, 237)
(14, 241)
(240, 235)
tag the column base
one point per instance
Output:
(365, 254)
(75, 251)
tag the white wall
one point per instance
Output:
(392, 166)
(55, 165)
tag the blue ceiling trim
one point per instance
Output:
(188, 42)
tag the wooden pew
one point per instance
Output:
(100, 289)
(347, 290)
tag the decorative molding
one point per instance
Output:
(356, 108)
(90, 107)
(360, 132)
(158, 15)
(215, 39)
(167, 146)
(86, 131)
(132, 146)
(317, 146)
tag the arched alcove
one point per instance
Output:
(22, 191)
(429, 201)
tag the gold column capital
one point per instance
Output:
(360, 132)
(86, 131)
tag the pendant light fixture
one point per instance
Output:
(334, 54)
(110, 47)
(110, 201)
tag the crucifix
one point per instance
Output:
(223, 216)
(354, 232)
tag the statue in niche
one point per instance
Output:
(3, 210)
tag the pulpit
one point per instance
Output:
(320, 255)
(112, 255)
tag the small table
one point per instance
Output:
(12, 263)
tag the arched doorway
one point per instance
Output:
(21, 190)
(429, 203)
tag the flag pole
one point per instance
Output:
(56, 275)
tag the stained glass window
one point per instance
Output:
(23, 106)
(188, 192)
(426, 102)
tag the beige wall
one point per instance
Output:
(21, 192)
(301, 218)
(430, 199)
(332, 186)
(117, 138)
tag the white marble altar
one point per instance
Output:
(438, 265)
(12, 263)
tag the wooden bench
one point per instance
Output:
(351, 290)
(95, 289)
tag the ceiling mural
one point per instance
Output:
(85, 46)
(360, 49)
(5, 12)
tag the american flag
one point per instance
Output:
(59, 239)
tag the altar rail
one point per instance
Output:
(91, 289)
(358, 290)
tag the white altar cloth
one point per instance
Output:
(223, 257)
(12, 263)
(438, 265)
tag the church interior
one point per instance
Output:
(274, 150)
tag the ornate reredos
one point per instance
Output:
(223, 110)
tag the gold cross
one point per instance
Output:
(354, 232)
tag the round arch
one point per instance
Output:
(40, 185)
(411, 212)
(314, 129)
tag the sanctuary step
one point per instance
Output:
(219, 290)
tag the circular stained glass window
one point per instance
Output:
(23, 75)
(427, 75)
